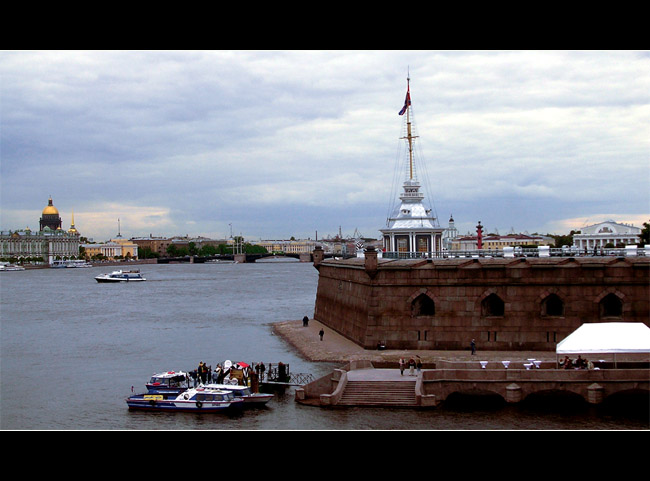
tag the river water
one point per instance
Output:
(72, 349)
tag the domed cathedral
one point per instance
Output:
(50, 217)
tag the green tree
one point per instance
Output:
(644, 238)
(208, 250)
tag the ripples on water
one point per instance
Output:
(72, 349)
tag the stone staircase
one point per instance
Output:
(378, 393)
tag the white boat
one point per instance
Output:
(78, 263)
(250, 398)
(168, 382)
(132, 275)
(70, 263)
(10, 267)
(199, 399)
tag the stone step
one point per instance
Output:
(378, 393)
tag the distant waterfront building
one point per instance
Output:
(289, 246)
(498, 242)
(114, 248)
(157, 245)
(411, 228)
(608, 232)
(49, 243)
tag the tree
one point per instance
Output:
(644, 238)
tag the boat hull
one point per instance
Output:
(108, 280)
(142, 403)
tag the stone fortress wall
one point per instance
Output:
(527, 303)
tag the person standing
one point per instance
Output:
(473, 346)
(320, 333)
(418, 364)
(411, 367)
(402, 365)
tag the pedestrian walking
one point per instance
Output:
(473, 346)
(305, 321)
(320, 333)
(402, 365)
(418, 364)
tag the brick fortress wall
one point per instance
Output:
(504, 303)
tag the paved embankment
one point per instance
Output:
(337, 348)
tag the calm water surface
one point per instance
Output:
(71, 350)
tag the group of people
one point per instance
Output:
(412, 364)
(579, 363)
(242, 372)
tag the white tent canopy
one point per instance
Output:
(607, 337)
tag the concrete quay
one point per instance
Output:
(338, 349)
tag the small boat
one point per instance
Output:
(251, 399)
(78, 263)
(199, 399)
(70, 263)
(10, 267)
(132, 275)
(170, 382)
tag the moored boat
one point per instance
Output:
(251, 399)
(132, 275)
(199, 399)
(10, 267)
(57, 264)
(170, 382)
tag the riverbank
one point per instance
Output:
(336, 348)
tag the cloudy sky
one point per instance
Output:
(273, 144)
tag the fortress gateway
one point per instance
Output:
(414, 295)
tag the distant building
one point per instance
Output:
(498, 242)
(115, 248)
(289, 246)
(157, 245)
(608, 232)
(50, 217)
(449, 234)
(50, 243)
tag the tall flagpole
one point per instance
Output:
(409, 136)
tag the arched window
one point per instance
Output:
(423, 305)
(492, 305)
(552, 305)
(611, 306)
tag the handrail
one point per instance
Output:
(541, 251)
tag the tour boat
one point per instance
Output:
(199, 399)
(132, 275)
(251, 399)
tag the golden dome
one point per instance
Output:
(50, 209)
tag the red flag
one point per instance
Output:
(407, 102)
